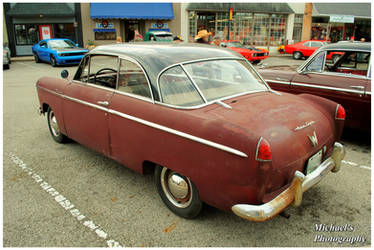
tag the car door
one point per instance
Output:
(43, 51)
(346, 89)
(87, 100)
(306, 49)
(133, 99)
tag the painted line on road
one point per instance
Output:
(65, 203)
(355, 165)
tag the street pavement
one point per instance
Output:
(70, 196)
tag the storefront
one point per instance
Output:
(28, 23)
(106, 22)
(338, 22)
(259, 24)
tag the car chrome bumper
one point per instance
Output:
(294, 193)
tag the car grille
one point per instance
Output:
(72, 61)
(73, 54)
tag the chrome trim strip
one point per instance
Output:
(194, 83)
(143, 98)
(276, 81)
(368, 92)
(179, 133)
(328, 88)
(155, 125)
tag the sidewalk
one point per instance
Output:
(22, 58)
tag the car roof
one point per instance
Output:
(348, 46)
(155, 56)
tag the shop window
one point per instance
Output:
(26, 34)
(64, 30)
(105, 35)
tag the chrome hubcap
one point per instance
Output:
(53, 123)
(176, 187)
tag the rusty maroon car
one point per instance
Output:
(345, 80)
(202, 120)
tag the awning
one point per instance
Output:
(45, 9)
(104, 30)
(156, 11)
(242, 7)
(362, 10)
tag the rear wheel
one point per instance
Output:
(297, 55)
(53, 61)
(54, 128)
(178, 193)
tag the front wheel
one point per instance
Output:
(36, 58)
(256, 62)
(178, 193)
(54, 128)
(297, 55)
(53, 61)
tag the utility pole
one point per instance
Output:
(230, 21)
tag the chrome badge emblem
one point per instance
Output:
(313, 139)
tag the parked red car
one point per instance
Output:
(252, 54)
(346, 80)
(304, 48)
(202, 120)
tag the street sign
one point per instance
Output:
(342, 19)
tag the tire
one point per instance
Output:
(36, 58)
(53, 127)
(188, 205)
(335, 58)
(6, 66)
(297, 55)
(256, 62)
(53, 61)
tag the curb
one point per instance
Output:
(22, 58)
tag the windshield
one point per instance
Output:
(235, 44)
(164, 37)
(61, 44)
(216, 79)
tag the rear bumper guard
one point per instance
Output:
(293, 195)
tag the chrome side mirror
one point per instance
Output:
(64, 74)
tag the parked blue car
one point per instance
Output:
(58, 51)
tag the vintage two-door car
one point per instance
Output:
(203, 120)
(252, 54)
(346, 80)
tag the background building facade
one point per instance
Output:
(28, 23)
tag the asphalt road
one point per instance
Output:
(96, 202)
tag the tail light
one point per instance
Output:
(263, 151)
(340, 113)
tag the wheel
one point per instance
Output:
(36, 58)
(5, 66)
(53, 127)
(256, 62)
(178, 193)
(335, 58)
(297, 55)
(53, 61)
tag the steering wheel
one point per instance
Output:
(110, 69)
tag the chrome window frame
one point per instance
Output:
(181, 64)
(302, 67)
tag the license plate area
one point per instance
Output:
(313, 162)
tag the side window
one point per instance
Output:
(177, 89)
(307, 44)
(317, 64)
(43, 44)
(103, 70)
(133, 80)
(316, 44)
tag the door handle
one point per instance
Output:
(104, 103)
(358, 87)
